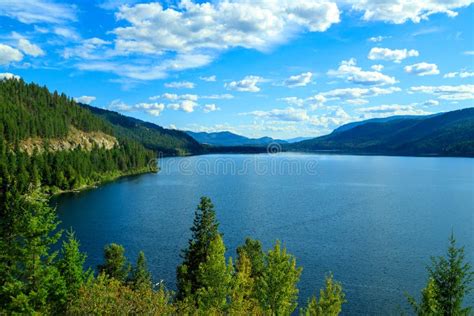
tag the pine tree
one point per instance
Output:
(115, 265)
(252, 249)
(214, 277)
(449, 282)
(429, 301)
(71, 265)
(276, 288)
(330, 301)
(204, 230)
(140, 276)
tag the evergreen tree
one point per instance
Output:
(330, 301)
(204, 230)
(214, 277)
(71, 264)
(115, 265)
(243, 299)
(252, 249)
(30, 280)
(276, 288)
(449, 282)
(140, 276)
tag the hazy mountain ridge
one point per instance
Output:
(227, 138)
(445, 134)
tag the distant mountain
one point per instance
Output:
(231, 139)
(445, 134)
(297, 139)
(152, 136)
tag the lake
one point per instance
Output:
(372, 221)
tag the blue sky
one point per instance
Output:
(280, 68)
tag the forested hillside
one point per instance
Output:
(446, 134)
(49, 142)
(152, 136)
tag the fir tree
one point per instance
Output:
(204, 230)
(115, 265)
(330, 300)
(140, 276)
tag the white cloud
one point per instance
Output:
(469, 52)
(9, 54)
(248, 84)
(377, 67)
(212, 78)
(225, 96)
(172, 96)
(87, 49)
(119, 105)
(288, 114)
(210, 108)
(460, 74)
(395, 55)
(431, 102)
(400, 11)
(300, 80)
(294, 101)
(387, 110)
(37, 11)
(180, 85)
(184, 105)
(348, 70)
(422, 69)
(66, 32)
(154, 109)
(356, 93)
(86, 99)
(451, 93)
(8, 75)
(377, 39)
(220, 25)
(29, 48)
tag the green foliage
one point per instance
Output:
(30, 280)
(276, 288)
(204, 230)
(449, 282)
(330, 301)
(109, 296)
(252, 249)
(140, 276)
(71, 265)
(243, 298)
(214, 278)
(116, 265)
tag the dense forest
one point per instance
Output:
(29, 112)
(445, 134)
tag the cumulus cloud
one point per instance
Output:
(248, 84)
(431, 102)
(180, 85)
(225, 96)
(86, 99)
(377, 67)
(400, 11)
(183, 105)
(212, 78)
(210, 108)
(469, 52)
(154, 109)
(460, 74)
(349, 71)
(87, 49)
(9, 54)
(29, 48)
(8, 75)
(119, 105)
(451, 93)
(395, 55)
(300, 80)
(390, 110)
(422, 69)
(294, 101)
(37, 11)
(288, 114)
(377, 39)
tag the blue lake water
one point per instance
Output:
(373, 221)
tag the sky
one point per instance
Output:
(279, 68)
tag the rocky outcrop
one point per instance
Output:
(74, 139)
